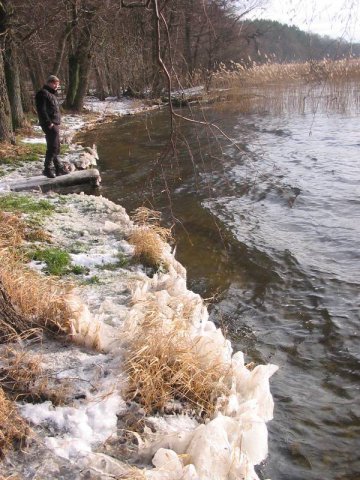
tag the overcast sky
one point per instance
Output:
(336, 18)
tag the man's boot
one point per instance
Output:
(59, 169)
(47, 164)
(48, 172)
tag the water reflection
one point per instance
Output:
(271, 233)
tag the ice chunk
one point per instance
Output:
(210, 450)
(168, 466)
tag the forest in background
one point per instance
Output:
(136, 47)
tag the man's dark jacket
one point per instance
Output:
(47, 107)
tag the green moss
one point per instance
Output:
(24, 204)
(79, 270)
(94, 280)
(122, 262)
(79, 247)
(57, 260)
(109, 266)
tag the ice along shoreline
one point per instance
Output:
(91, 436)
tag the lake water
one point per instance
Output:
(270, 234)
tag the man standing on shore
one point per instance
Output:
(48, 111)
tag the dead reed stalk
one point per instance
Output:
(236, 74)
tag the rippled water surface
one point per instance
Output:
(271, 233)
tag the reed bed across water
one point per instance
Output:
(294, 87)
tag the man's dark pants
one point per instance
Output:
(52, 136)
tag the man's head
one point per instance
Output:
(53, 82)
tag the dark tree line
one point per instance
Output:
(112, 47)
(266, 39)
(108, 46)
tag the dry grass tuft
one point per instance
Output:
(13, 428)
(28, 300)
(148, 237)
(38, 235)
(163, 364)
(23, 378)
(12, 230)
(146, 216)
(40, 301)
(8, 150)
(148, 246)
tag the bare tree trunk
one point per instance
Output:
(5, 111)
(73, 81)
(61, 47)
(187, 38)
(35, 69)
(84, 73)
(80, 63)
(156, 74)
(196, 47)
(11, 67)
(26, 97)
(112, 80)
(101, 89)
(108, 76)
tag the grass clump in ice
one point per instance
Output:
(79, 270)
(23, 378)
(164, 364)
(57, 260)
(94, 280)
(28, 300)
(148, 238)
(25, 204)
(29, 304)
(79, 247)
(13, 231)
(122, 262)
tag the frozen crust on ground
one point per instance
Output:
(85, 438)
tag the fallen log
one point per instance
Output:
(91, 176)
